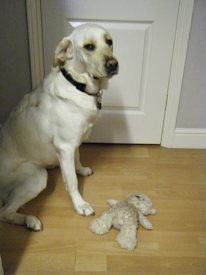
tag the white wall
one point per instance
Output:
(192, 107)
(15, 77)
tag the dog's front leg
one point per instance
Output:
(81, 170)
(66, 155)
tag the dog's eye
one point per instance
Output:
(109, 42)
(89, 47)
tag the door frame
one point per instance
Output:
(177, 65)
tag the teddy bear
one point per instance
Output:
(126, 217)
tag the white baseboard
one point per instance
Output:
(189, 138)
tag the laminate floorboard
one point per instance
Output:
(174, 179)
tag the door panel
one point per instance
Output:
(144, 33)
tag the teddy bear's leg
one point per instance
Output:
(145, 222)
(127, 237)
(102, 224)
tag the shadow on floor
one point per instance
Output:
(13, 238)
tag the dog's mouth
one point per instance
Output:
(111, 67)
(108, 74)
(113, 73)
(96, 78)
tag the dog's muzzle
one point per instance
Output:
(111, 66)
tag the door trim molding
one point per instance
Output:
(177, 71)
(177, 67)
(34, 24)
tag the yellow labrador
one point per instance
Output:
(48, 126)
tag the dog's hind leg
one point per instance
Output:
(29, 182)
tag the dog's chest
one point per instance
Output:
(71, 122)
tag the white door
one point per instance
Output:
(144, 33)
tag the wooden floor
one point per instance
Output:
(174, 179)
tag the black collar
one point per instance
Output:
(82, 87)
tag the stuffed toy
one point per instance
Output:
(125, 216)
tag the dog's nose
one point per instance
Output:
(111, 66)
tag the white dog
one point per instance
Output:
(50, 123)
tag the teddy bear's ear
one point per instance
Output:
(132, 200)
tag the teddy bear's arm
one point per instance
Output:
(144, 221)
(112, 202)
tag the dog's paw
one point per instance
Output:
(84, 171)
(33, 223)
(84, 209)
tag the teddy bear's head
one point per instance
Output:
(141, 203)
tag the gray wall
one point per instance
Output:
(192, 107)
(15, 76)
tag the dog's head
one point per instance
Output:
(88, 49)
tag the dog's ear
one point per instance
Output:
(63, 52)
